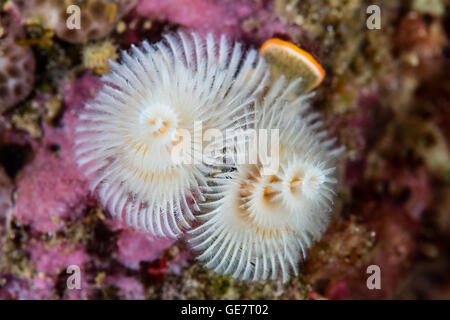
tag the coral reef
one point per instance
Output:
(17, 63)
(128, 136)
(385, 97)
(270, 220)
(6, 204)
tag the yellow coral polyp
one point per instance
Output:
(96, 56)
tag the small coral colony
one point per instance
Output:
(241, 219)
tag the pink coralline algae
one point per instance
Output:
(51, 261)
(97, 17)
(51, 195)
(418, 186)
(15, 288)
(6, 188)
(130, 288)
(338, 291)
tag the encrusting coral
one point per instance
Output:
(286, 59)
(260, 224)
(97, 17)
(17, 63)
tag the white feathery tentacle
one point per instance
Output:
(259, 226)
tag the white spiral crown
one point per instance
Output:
(126, 136)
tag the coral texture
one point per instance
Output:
(148, 109)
